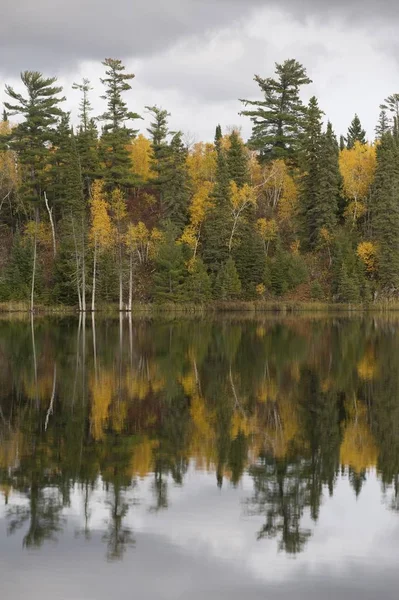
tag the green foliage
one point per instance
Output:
(284, 271)
(198, 287)
(237, 160)
(355, 133)
(227, 283)
(278, 118)
(170, 274)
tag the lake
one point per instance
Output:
(215, 457)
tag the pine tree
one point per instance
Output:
(355, 133)
(385, 213)
(227, 284)
(391, 104)
(277, 119)
(116, 134)
(32, 138)
(237, 160)
(382, 126)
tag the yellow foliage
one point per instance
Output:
(142, 241)
(201, 163)
(357, 167)
(358, 448)
(260, 289)
(118, 205)
(295, 247)
(42, 231)
(101, 232)
(142, 158)
(367, 252)
(268, 229)
(142, 459)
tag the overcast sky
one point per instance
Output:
(197, 57)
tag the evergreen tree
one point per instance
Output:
(382, 126)
(32, 138)
(385, 213)
(227, 284)
(87, 138)
(310, 159)
(198, 286)
(116, 134)
(324, 212)
(391, 104)
(277, 119)
(215, 250)
(355, 133)
(175, 186)
(170, 271)
(237, 160)
(342, 143)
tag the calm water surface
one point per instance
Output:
(199, 458)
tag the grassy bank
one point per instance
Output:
(280, 307)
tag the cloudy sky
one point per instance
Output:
(197, 57)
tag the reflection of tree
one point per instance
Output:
(280, 494)
(42, 516)
(118, 535)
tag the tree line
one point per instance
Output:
(102, 213)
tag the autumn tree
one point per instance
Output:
(101, 229)
(357, 166)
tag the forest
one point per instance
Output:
(98, 213)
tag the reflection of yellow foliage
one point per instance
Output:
(367, 367)
(268, 390)
(142, 459)
(9, 450)
(260, 331)
(240, 424)
(43, 390)
(101, 389)
(358, 448)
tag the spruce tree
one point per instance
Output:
(277, 119)
(170, 273)
(310, 163)
(176, 188)
(198, 285)
(215, 251)
(355, 133)
(227, 284)
(32, 138)
(323, 213)
(382, 126)
(237, 160)
(342, 143)
(116, 133)
(87, 138)
(385, 213)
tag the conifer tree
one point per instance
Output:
(385, 213)
(87, 138)
(116, 133)
(198, 285)
(355, 133)
(169, 277)
(391, 104)
(237, 160)
(227, 284)
(216, 228)
(342, 143)
(310, 159)
(32, 138)
(277, 119)
(176, 186)
(382, 126)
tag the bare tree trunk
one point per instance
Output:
(120, 279)
(93, 324)
(77, 265)
(50, 214)
(32, 293)
(130, 282)
(83, 269)
(233, 231)
(93, 295)
(51, 406)
(32, 328)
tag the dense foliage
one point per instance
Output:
(95, 214)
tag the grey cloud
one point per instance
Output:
(54, 34)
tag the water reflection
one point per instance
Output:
(91, 409)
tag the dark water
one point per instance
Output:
(199, 458)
